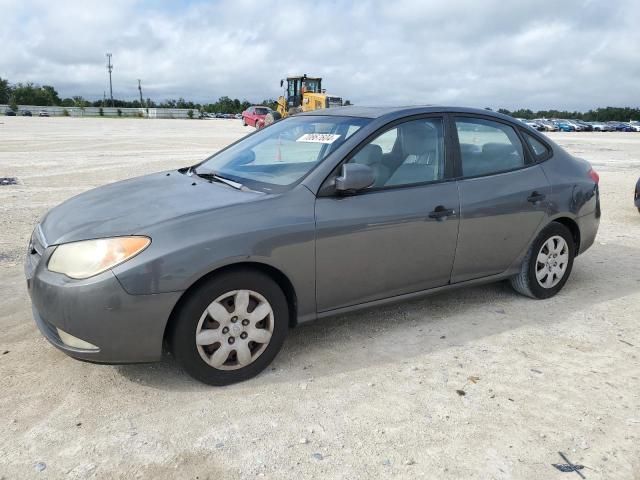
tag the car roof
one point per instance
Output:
(377, 112)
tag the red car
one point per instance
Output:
(254, 116)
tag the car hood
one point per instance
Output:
(131, 206)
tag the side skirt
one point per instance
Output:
(419, 294)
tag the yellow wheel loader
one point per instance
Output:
(302, 94)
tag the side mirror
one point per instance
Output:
(354, 177)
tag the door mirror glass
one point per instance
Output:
(354, 177)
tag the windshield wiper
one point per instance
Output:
(218, 178)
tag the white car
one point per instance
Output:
(635, 126)
(600, 127)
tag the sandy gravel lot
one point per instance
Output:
(371, 395)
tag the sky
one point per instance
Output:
(574, 54)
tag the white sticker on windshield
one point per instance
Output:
(318, 138)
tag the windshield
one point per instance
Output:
(278, 156)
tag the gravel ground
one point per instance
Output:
(367, 395)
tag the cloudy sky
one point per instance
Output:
(572, 54)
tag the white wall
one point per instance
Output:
(107, 111)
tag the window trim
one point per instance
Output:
(327, 188)
(529, 159)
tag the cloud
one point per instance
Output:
(576, 54)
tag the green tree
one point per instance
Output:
(5, 90)
(52, 95)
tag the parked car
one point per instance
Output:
(254, 116)
(43, 113)
(576, 126)
(620, 127)
(600, 127)
(564, 126)
(548, 125)
(586, 127)
(238, 116)
(536, 125)
(636, 195)
(26, 113)
(321, 213)
(635, 126)
(9, 112)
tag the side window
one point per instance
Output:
(488, 147)
(539, 149)
(409, 153)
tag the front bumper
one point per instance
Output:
(125, 328)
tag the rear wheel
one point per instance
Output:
(230, 328)
(548, 263)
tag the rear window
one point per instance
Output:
(261, 111)
(540, 150)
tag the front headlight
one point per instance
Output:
(90, 257)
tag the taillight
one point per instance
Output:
(594, 175)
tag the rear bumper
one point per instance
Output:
(125, 328)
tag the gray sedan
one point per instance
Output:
(319, 214)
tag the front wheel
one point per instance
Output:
(271, 118)
(548, 263)
(230, 328)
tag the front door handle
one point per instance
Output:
(441, 213)
(536, 197)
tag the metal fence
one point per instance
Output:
(106, 111)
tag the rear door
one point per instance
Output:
(503, 197)
(399, 235)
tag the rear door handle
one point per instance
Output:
(536, 197)
(441, 213)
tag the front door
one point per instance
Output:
(398, 236)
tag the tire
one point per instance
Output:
(244, 122)
(271, 118)
(193, 319)
(527, 282)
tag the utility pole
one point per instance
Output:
(140, 90)
(110, 68)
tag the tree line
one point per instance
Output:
(46, 95)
